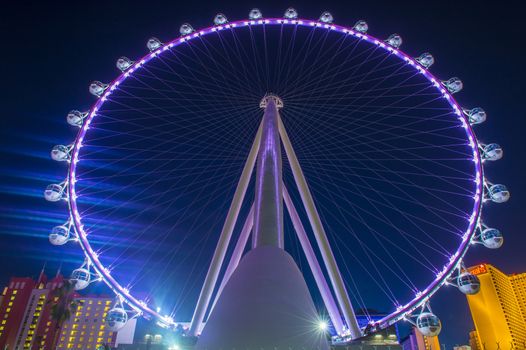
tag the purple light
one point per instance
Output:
(402, 311)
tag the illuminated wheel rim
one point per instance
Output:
(403, 310)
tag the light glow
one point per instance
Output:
(323, 326)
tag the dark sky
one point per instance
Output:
(50, 52)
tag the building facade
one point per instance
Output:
(416, 341)
(474, 341)
(36, 310)
(26, 322)
(86, 329)
(14, 300)
(499, 309)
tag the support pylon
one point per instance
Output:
(237, 254)
(226, 234)
(321, 237)
(317, 272)
(268, 204)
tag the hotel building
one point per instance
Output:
(26, 322)
(86, 329)
(499, 309)
(14, 300)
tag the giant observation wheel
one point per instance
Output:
(393, 167)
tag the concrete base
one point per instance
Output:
(265, 305)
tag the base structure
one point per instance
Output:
(265, 305)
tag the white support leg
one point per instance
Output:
(237, 254)
(224, 239)
(315, 267)
(321, 236)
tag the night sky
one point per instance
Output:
(51, 52)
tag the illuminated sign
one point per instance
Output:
(479, 269)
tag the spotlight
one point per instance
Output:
(323, 326)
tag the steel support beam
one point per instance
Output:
(224, 239)
(237, 254)
(268, 211)
(315, 267)
(321, 237)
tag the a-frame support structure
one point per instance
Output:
(265, 222)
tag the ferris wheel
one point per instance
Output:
(382, 169)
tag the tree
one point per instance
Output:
(63, 306)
